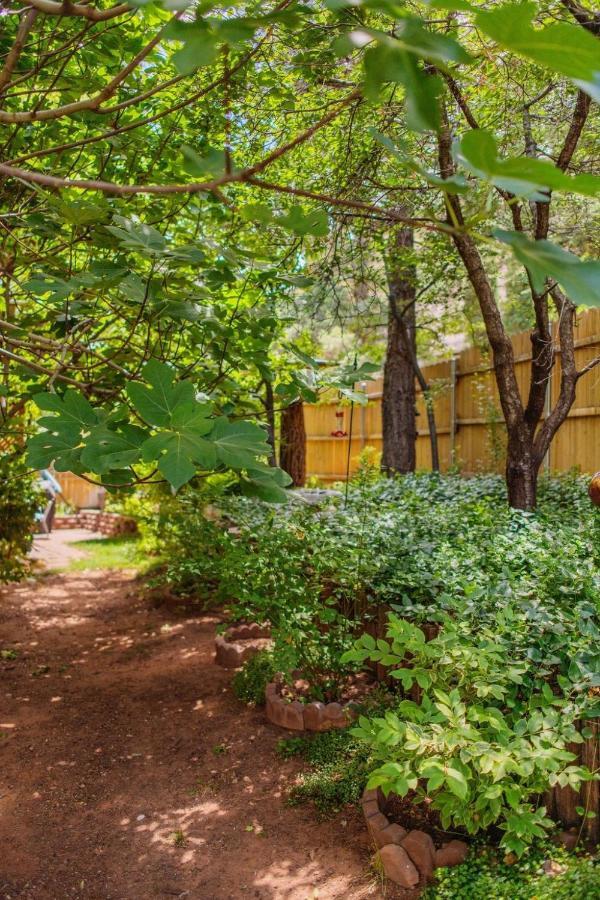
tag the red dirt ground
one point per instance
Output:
(117, 733)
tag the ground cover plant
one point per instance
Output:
(546, 873)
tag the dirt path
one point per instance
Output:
(118, 732)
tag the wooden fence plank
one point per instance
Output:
(471, 429)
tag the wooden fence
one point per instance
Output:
(471, 432)
(78, 492)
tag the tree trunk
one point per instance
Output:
(399, 392)
(402, 280)
(292, 454)
(522, 469)
(269, 404)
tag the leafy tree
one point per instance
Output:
(166, 175)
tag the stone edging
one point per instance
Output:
(108, 524)
(239, 643)
(299, 716)
(408, 858)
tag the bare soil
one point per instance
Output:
(129, 771)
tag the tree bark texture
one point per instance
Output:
(399, 392)
(269, 403)
(292, 453)
(529, 435)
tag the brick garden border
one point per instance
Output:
(108, 524)
(297, 716)
(240, 643)
(408, 858)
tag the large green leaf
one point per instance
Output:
(239, 443)
(71, 409)
(561, 47)
(543, 259)
(156, 403)
(267, 483)
(523, 176)
(60, 449)
(105, 449)
(200, 46)
(314, 222)
(138, 236)
(384, 63)
(182, 447)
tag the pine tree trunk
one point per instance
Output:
(292, 453)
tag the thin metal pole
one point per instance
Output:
(350, 440)
(349, 453)
(453, 411)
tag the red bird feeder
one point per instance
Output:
(339, 432)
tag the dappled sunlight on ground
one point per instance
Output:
(120, 730)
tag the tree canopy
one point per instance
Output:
(180, 180)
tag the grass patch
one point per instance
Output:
(122, 552)
(338, 770)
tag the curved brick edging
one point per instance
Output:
(108, 524)
(240, 643)
(299, 716)
(408, 858)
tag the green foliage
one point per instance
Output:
(19, 501)
(250, 682)
(488, 736)
(485, 876)
(179, 433)
(515, 664)
(337, 773)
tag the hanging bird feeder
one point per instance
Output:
(339, 431)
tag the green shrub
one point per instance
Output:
(19, 500)
(489, 734)
(250, 682)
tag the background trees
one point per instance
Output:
(167, 177)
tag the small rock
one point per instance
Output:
(141, 817)
(397, 866)
(553, 868)
(376, 825)
(452, 853)
(421, 850)
(393, 834)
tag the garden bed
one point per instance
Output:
(407, 856)
(241, 642)
(286, 712)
